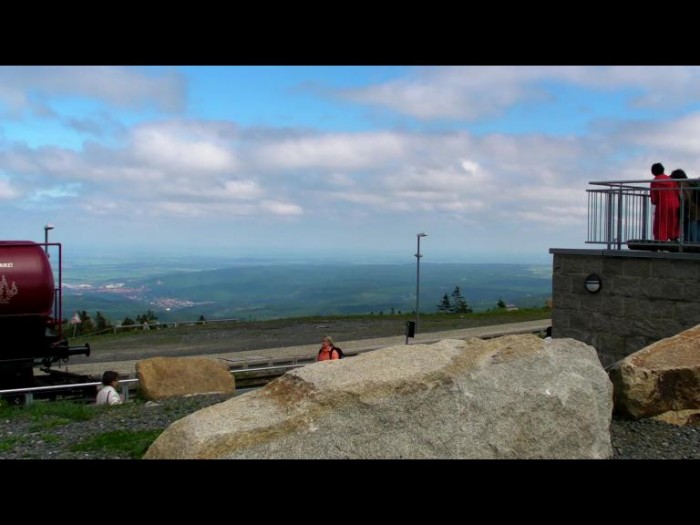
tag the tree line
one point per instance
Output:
(455, 303)
(99, 323)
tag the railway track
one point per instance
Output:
(85, 391)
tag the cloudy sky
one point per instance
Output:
(492, 163)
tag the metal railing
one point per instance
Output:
(620, 213)
(30, 391)
(156, 325)
(123, 386)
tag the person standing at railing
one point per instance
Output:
(693, 210)
(685, 196)
(664, 196)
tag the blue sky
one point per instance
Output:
(492, 162)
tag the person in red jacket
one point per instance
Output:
(664, 196)
(328, 350)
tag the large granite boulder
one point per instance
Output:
(662, 377)
(509, 397)
(163, 377)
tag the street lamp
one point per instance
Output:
(418, 256)
(46, 238)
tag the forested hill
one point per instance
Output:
(290, 290)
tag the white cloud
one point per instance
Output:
(476, 92)
(453, 92)
(281, 208)
(131, 87)
(679, 136)
(175, 149)
(332, 151)
(187, 169)
(7, 191)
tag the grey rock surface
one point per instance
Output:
(511, 397)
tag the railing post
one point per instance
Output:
(645, 217)
(681, 221)
(619, 218)
(608, 220)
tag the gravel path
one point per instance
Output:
(24, 438)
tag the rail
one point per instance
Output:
(30, 391)
(155, 325)
(620, 214)
(123, 384)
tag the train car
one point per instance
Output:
(30, 312)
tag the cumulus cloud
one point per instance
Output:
(204, 169)
(130, 87)
(7, 191)
(475, 92)
(178, 147)
(677, 136)
(193, 169)
(454, 92)
(281, 208)
(99, 126)
(332, 151)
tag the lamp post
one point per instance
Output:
(46, 238)
(418, 256)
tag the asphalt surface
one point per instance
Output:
(266, 356)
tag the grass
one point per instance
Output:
(51, 438)
(430, 322)
(133, 444)
(49, 414)
(8, 443)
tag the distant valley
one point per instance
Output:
(179, 290)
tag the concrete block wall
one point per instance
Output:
(644, 297)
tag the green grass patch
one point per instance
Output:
(122, 442)
(47, 423)
(9, 443)
(61, 411)
(50, 438)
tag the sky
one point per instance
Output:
(331, 162)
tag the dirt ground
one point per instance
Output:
(230, 337)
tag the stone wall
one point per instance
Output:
(644, 297)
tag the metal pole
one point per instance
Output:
(46, 238)
(418, 256)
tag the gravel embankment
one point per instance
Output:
(21, 438)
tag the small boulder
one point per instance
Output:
(662, 377)
(163, 377)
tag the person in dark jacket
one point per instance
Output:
(685, 194)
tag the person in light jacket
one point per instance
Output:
(108, 394)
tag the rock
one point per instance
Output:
(662, 377)
(680, 417)
(509, 397)
(163, 377)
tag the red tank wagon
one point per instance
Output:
(30, 312)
